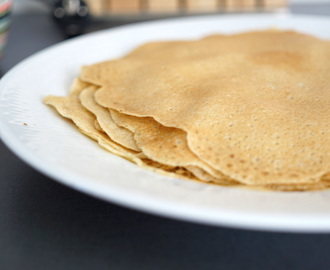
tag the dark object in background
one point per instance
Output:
(71, 16)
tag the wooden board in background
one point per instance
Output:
(124, 6)
(162, 6)
(201, 5)
(142, 7)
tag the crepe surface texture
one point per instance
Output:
(249, 109)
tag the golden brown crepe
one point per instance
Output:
(71, 107)
(246, 109)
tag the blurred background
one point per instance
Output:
(75, 17)
(101, 7)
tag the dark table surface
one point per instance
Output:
(45, 225)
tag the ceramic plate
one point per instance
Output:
(54, 147)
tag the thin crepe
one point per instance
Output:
(167, 146)
(120, 135)
(71, 108)
(255, 106)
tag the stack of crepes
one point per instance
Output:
(250, 109)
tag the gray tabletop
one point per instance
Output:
(44, 225)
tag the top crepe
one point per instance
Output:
(254, 106)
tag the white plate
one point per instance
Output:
(57, 149)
